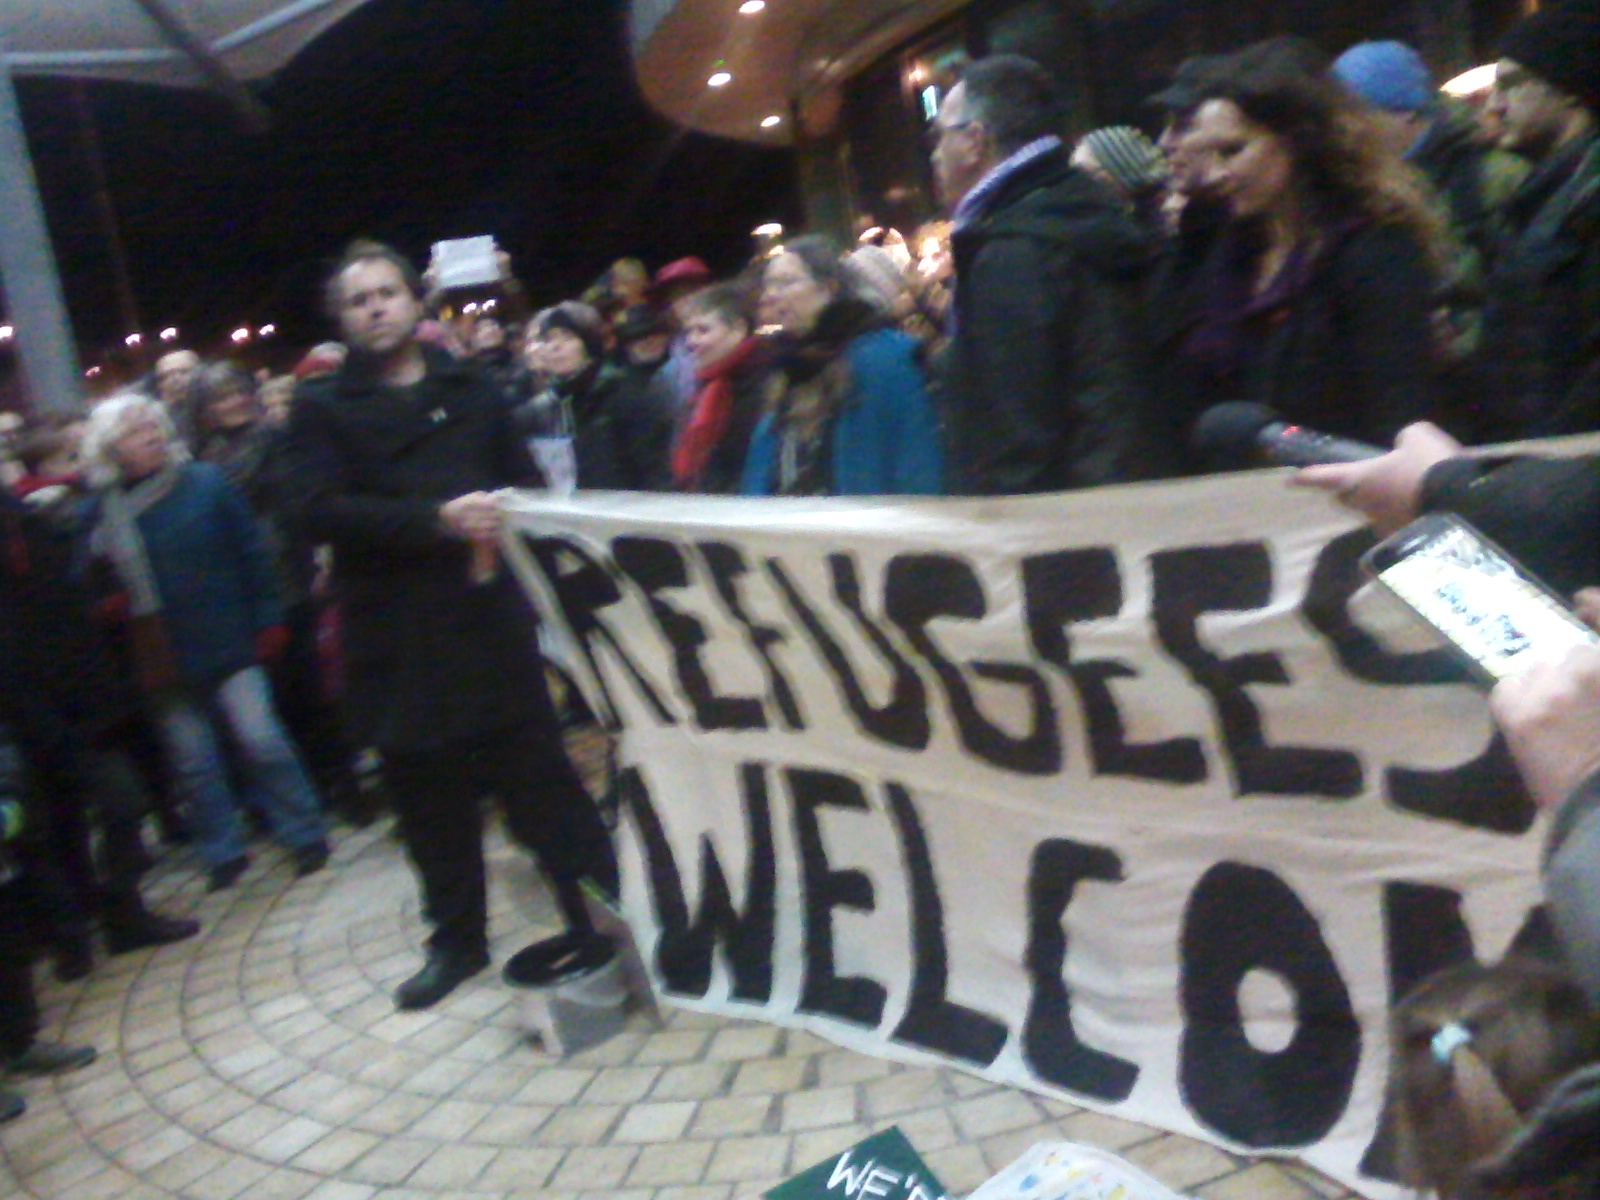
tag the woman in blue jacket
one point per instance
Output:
(848, 412)
(203, 614)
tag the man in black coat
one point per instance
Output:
(1539, 358)
(393, 461)
(1044, 382)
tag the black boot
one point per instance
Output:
(569, 895)
(130, 926)
(74, 955)
(48, 1058)
(444, 971)
(224, 875)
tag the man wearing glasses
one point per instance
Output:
(1044, 382)
(1539, 365)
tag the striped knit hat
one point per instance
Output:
(1128, 157)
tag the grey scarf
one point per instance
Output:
(117, 538)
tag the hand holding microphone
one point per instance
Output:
(1237, 434)
(1386, 490)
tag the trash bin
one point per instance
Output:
(572, 991)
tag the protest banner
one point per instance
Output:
(1116, 796)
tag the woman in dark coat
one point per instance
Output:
(1316, 299)
(232, 433)
(619, 432)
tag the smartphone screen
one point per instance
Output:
(1479, 599)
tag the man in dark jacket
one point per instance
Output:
(392, 460)
(21, 1052)
(1044, 382)
(1539, 363)
(1439, 136)
(73, 711)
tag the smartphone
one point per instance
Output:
(1499, 617)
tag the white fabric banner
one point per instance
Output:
(1116, 796)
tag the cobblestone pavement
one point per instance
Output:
(265, 1060)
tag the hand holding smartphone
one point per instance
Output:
(1497, 616)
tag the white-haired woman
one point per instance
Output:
(203, 610)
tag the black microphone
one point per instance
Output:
(1243, 434)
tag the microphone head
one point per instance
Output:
(1228, 432)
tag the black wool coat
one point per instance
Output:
(430, 657)
(1349, 353)
(1045, 383)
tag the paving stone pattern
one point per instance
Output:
(264, 1060)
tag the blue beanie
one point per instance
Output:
(1387, 75)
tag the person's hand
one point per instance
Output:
(1550, 715)
(1386, 490)
(1586, 604)
(271, 642)
(475, 517)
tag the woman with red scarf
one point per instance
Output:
(730, 378)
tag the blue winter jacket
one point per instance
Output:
(885, 440)
(216, 579)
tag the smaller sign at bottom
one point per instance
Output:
(881, 1167)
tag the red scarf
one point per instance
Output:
(713, 406)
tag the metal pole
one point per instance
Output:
(251, 111)
(28, 270)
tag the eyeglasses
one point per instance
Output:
(934, 134)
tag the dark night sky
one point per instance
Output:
(411, 121)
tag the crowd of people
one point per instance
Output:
(225, 598)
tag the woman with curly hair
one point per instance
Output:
(1317, 297)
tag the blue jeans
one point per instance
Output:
(271, 767)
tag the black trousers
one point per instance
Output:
(84, 789)
(19, 1009)
(312, 720)
(438, 797)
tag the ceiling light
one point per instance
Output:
(6, 333)
(268, 330)
(133, 339)
(770, 229)
(771, 122)
(169, 334)
(720, 79)
(751, 7)
(241, 335)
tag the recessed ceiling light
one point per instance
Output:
(770, 122)
(751, 7)
(720, 79)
